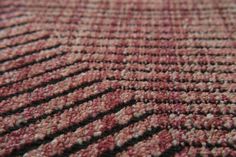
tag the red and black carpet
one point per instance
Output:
(117, 78)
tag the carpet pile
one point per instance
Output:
(117, 78)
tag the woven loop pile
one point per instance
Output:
(118, 78)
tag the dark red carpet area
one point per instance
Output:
(139, 78)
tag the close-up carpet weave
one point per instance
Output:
(142, 78)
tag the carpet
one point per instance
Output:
(117, 78)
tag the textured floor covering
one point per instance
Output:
(117, 78)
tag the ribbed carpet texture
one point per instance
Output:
(140, 78)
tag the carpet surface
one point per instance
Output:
(117, 78)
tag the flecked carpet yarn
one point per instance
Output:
(142, 78)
